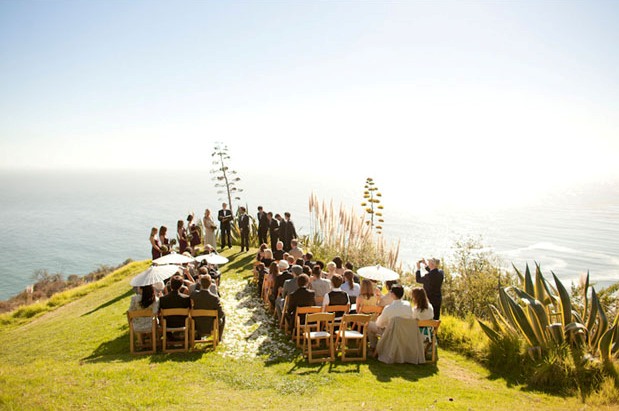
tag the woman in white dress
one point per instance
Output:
(209, 229)
(422, 309)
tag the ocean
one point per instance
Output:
(70, 222)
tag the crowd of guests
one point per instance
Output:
(283, 272)
(305, 282)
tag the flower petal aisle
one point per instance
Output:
(251, 332)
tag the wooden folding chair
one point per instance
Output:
(282, 321)
(152, 334)
(428, 329)
(322, 326)
(373, 310)
(213, 338)
(346, 333)
(167, 312)
(297, 332)
(339, 311)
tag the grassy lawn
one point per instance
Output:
(76, 357)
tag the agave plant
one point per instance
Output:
(544, 317)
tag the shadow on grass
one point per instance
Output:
(241, 261)
(409, 372)
(108, 303)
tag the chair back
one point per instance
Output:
(371, 309)
(144, 313)
(320, 321)
(298, 322)
(200, 313)
(429, 328)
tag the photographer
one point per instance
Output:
(432, 282)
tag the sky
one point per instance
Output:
(484, 100)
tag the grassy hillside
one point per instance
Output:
(76, 356)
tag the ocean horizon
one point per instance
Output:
(71, 222)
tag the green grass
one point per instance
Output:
(74, 355)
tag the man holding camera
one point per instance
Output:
(432, 282)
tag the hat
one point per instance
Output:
(283, 264)
(297, 269)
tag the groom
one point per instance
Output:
(225, 217)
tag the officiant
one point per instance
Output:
(225, 217)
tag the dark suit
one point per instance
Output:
(289, 234)
(225, 217)
(432, 283)
(274, 233)
(244, 228)
(174, 300)
(263, 227)
(302, 297)
(205, 300)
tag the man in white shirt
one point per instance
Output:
(398, 308)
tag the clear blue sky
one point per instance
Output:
(504, 94)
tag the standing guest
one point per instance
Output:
(273, 230)
(155, 246)
(422, 309)
(195, 233)
(289, 233)
(398, 308)
(209, 229)
(244, 228)
(144, 299)
(350, 286)
(432, 283)
(174, 299)
(278, 254)
(203, 299)
(225, 217)
(281, 231)
(295, 250)
(163, 240)
(181, 234)
(320, 285)
(301, 297)
(263, 225)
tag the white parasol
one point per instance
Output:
(154, 274)
(378, 273)
(173, 258)
(216, 259)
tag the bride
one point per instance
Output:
(209, 229)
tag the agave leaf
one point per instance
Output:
(540, 293)
(602, 321)
(528, 282)
(556, 332)
(500, 322)
(566, 304)
(493, 335)
(605, 344)
(536, 323)
(519, 274)
(518, 319)
(586, 288)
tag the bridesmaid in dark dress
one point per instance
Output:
(194, 231)
(164, 243)
(182, 236)
(154, 243)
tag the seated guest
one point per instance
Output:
(422, 309)
(352, 289)
(291, 260)
(261, 272)
(295, 250)
(144, 299)
(319, 284)
(301, 297)
(278, 254)
(398, 308)
(368, 295)
(197, 285)
(283, 275)
(174, 299)
(288, 288)
(260, 254)
(307, 270)
(387, 299)
(339, 265)
(350, 267)
(204, 299)
(307, 259)
(270, 281)
(330, 270)
(267, 259)
(336, 296)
